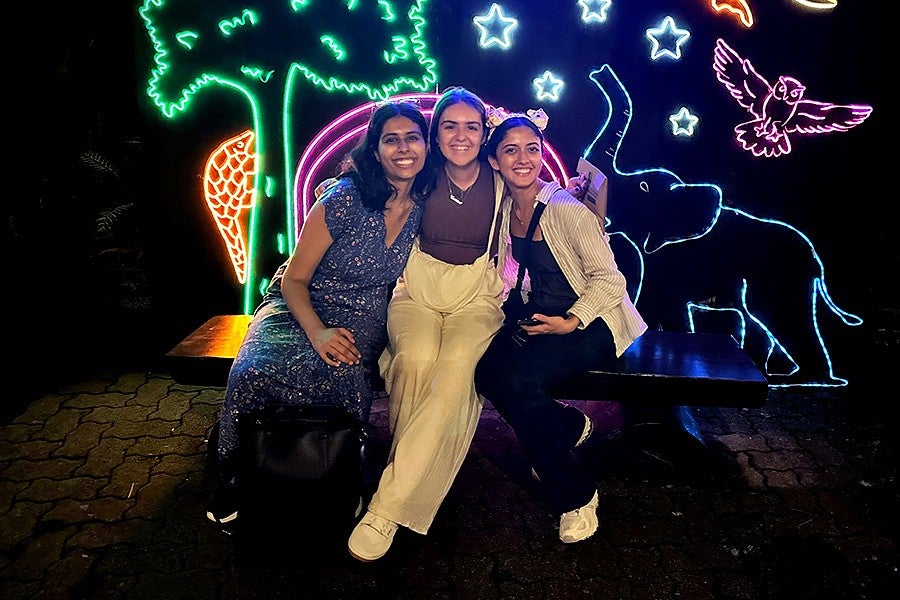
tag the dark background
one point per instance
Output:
(115, 257)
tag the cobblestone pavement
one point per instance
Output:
(103, 488)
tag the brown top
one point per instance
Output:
(457, 233)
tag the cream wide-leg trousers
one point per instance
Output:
(440, 321)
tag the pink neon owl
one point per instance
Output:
(779, 109)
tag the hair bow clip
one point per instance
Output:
(538, 117)
(496, 115)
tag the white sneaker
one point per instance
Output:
(371, 538)
(585, 434)
(581, 523)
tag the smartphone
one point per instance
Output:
(529, 321)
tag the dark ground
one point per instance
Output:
(103, 487)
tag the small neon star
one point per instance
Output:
(594, 10)
(683, 122)
(495, 28)
(668, 31)
(548, 87)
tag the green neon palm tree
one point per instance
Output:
(265, 51)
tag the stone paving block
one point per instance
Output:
(171, 444)
(105, 458)
(16, 433)
(128, 476)
(211, 396)
(172, 407)
(128, 383)
(30, 470)
(20, 521)
(152, 392)
(8, 492)
(155, 496)
(49, 490)
(79, 442)
(42, 551)
(196, 423)
(63, 577)
(82, 511)
(105, 400)
(155, 429)
(117, 414)
(32, 450)
(176, 464)
(42, 409)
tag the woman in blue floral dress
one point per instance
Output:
(321, 326)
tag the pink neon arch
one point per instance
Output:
(324, 152)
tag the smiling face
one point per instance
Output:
(518, 157)
(401, 150)
(460, 134)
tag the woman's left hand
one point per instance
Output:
(578, 185)
(554, 325)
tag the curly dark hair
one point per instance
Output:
(368, 174)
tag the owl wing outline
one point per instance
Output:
(823, 117)
(739, 77)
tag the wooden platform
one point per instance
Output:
(676, 368)
(204, 357)
(655, 383)
(662, 368)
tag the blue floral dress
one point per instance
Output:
(350, 288)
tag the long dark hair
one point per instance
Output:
(368, 174)
(454, 95)
(499, 132)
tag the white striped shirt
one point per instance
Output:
(581, 249)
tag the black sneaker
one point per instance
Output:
(223, 508)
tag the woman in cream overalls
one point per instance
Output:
(444, 311)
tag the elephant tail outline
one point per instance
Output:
(822, 289)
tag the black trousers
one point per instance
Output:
(516, 377)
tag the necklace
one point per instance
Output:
(516, 214)
(518, 218)
(462, 192)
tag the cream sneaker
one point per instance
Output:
(371, 538)
(581, 523)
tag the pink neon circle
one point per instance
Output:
(324, 152)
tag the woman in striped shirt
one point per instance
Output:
(585, 319)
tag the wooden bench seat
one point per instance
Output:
(660, 368)
(675, 368)
(204, 357)
(655, 382)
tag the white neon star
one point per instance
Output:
(493, 23)
(548, 87)
(594, 10)
(683, 122)
(669, 31)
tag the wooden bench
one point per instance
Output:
(204, 357)
(657, 378)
